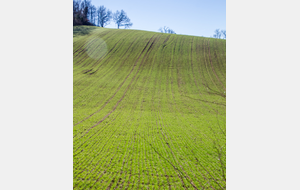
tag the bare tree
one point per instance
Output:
(80, 12)
(104, 16)
(76, 11)
(121, 19)
(217, 34)
(223, 33)
(86, 6)
(92, 14)
(166, 30)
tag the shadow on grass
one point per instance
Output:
(82, 30)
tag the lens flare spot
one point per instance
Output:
(96, 48)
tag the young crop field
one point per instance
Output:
(149, 110)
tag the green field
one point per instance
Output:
(149, 110)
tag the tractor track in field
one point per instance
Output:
(120, 56)
(181, 88)
(109, 52)
(157, 152)
(119, 68)
(90, 63)
(198, 85)
(119, 182)
(120, 85)
(116, 61)
(146, 91)
(106, 158)
(81, 145)
(95, 133)
(83, 57)
(104, 56)
(213, 67)
(173, 155)
(219, 64)
(206, 65)
(116, 174)
(153, 111)
(81, 49)
(135, 132)
(217, 57)
(168, 143)
(195, 81)
(127, 87)
(88, 44)
(112, 96)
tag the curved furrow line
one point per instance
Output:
(125, 90)
(88, 45)
(213, 68)
(166, 152)
(99, 130)
(91, 39)
(135, 63)
(116, 144)
(100, 160)
(117, 70)
(219, 66)
(137, 99)
(108, 53)
(85, 58)
(145, 80)
(99, 78)
(151, 70)
(80, 49)
(104, 75)
(196, 84)
(83, 164)
(186, 146)
(206, 66)
(119, 87)
(113, 49)
(195, 81)
(170, 142)
(182, 89)
(100, 153)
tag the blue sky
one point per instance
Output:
(189, 17)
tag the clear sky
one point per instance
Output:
(189, 17)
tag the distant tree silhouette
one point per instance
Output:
(121, 19)
(217, 34)
(104, 16)
(80, 12)
(86, 6)
(166, 30)
(223, 33)
(92, 14)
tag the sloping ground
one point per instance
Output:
(149, 110)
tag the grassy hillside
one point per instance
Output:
(149, 110)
